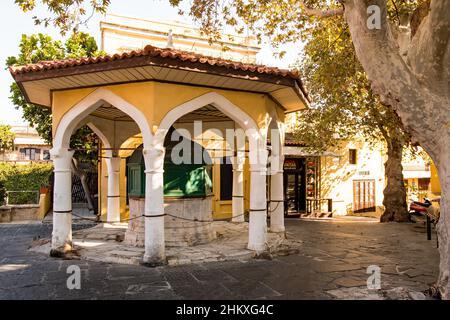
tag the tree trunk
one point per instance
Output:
(87, 192)
(417, 89)
(395, 192)
(443, 226)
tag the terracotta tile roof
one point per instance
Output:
(156, 52)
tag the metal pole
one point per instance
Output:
(428, 228)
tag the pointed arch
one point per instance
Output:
(103, 138)
(211, 98)
(90, 103)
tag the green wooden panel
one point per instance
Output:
(135, 182)
(180, 180)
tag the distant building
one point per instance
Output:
(28, 146)
(121, 34)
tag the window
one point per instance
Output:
(424, 184)
(46, 155)
(31, 153)
(352, 156)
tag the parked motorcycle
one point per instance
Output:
(420, 208)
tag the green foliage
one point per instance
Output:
(67, 15)
(344, 105)
(276, 21)
(2, 193)
(279, 21)
(24, 178)
(6, 138)
(41, 47)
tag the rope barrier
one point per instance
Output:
(96, 221)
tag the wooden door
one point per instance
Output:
(363, 196)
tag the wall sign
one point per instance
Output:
(290, 164)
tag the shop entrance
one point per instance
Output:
(294, 187)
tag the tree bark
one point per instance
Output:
(394, 201)
(87, 192)
(417, 89)
(443, 227)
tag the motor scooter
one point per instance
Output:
(418, 208)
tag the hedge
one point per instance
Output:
(29, 177)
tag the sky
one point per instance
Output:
(14, 23)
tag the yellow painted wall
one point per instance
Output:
(155, 100)
(434, 180)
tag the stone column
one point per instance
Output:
(238, 187)
(276, 180)
(113, 207)
(277, 202)
(257, 229)
(154, 207)
(62, 202)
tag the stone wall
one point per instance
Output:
(180, 230)
(23, 212)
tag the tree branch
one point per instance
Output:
(321, 13)
(430, 48)
(390, 76)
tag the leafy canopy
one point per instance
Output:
(6, 138)
(344, 105)
(67, 15)
(279, 21)
(40, 47)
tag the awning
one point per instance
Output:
(30, 141)
(416, 174)
(303, 152)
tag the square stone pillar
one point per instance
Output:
(62, 202)
(154, 207)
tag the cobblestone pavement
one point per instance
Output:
(332, 264)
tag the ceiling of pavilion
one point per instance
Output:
(207, 113)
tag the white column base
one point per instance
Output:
(154, 242)
(277, 203)
(62, 233)
(238, 209)
(238, 184)
(154, 208)
(257, 231)
(62, 203)
(113, 206)
(257, 228)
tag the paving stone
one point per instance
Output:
(330, 267)
(300, 275)
(350, 282)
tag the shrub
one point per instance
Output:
(24, 178)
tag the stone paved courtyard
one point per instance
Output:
(331, 264)
(104, 243)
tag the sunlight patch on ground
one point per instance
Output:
(88, 244)
(12, 267)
